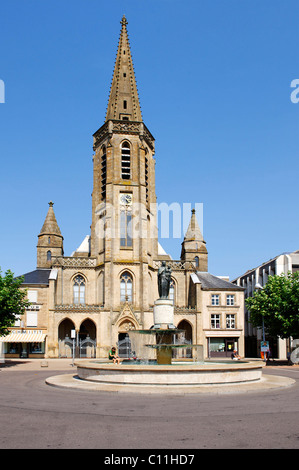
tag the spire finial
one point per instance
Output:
(124, 21)
(51, 204)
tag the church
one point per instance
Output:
(92, 299)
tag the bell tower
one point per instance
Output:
(123, 230)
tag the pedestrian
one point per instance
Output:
(235, 356)
(113, 356)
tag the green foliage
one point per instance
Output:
(278, 305)
(12, 301)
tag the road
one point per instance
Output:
(34, 415)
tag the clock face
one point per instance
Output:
(126, 198)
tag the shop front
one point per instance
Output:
(24, 344)
(222, 347)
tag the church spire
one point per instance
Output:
(193, 231)
(194, 247)
(50, 226)
(123, 100)
(50, 240)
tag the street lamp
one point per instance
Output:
(259, 287)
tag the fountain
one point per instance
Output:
(161, 372)
(163, 331)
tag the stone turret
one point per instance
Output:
(194, 247)
(50, 240)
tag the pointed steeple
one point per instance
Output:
(193, 231)
(50, 226)
(50, 240)
(123, 100)
(194, 247)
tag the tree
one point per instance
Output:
(12, 301)
(278, 305)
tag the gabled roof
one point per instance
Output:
(208, 281)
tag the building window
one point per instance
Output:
(196, 260)
(31, 319)
(126, 287)
(32, 296)
(230, 300)
(79, 290)
(171, 295)
(36, 348)
(49, 240)
(125, 161)
(230, 321)
(215, 321)
(126, 222)
(49, 255)
(215, 299)
(146, 178)
(103, 173)
(126, 229)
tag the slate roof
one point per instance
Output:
(39, 276)
(208, 281)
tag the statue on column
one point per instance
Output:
(164, 278)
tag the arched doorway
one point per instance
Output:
(124, 343)
(65, 342)
(87, 339)
(87, 328)
(184, 338)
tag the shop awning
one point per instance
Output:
(23, 338)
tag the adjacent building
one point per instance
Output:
(281, 264)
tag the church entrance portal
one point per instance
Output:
(83, 345)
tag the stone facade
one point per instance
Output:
(108, 286)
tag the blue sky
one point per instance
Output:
(214, 85)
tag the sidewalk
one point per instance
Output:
(66, 364)
(39, 364)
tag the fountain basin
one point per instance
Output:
(177, 374)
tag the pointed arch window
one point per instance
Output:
(103, 173)
(171, 294)
(49, 256)
(126, 287)
(79, 290)
(125, 161)
(146, 178)
(196, 260)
